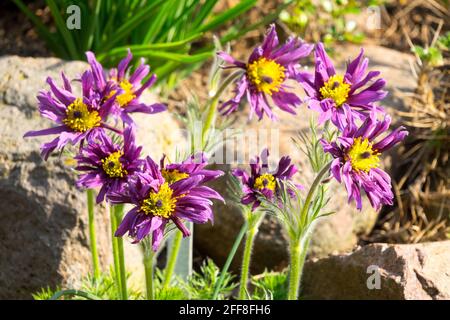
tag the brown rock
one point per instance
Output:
(412, 271)
(44, 231)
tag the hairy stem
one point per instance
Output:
(148, 266)
(118, 213)
(115, 248)
(246, 263)
(172, 258)
(230, 257)
(92, 233)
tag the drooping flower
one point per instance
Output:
(128, 89)
(342, 98)
(157, 202)
(78, 118)
(266, 74)
(105, 164)
(261, 181)
(357, 159)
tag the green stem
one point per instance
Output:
(148, 266)
(92, 234)
(298, 250)
(231, 255)
(72, 292)
(246, 263)
(211, 115)
(115, 248)
(172, 258)
(118, 213)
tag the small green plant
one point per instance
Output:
(159, 30)
(270, 286)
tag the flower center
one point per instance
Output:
(174, 175)
(266, 75)
(265, 181)
(161, 203)
(362, 156)
(79, 118)
(335, 88)
(112, 165)
(125, 98)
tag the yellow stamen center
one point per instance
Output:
(266, 75)
(79, 118)
(161, 203)
(265, 181)
(124, 98)
(362, 155)
(112, 165)
(173, 175)
(335, 88)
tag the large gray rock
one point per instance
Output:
(43, 235)
(410, 271)
(335, 233)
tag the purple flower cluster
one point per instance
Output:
(348, 101)
(171, 193)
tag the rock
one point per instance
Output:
(410, 271)
(335, 233)
(43, 235)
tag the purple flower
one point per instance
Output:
(356, 159)
(128, 90)
(261, 181)
(266, 74)
(341, 97)
(194, 165)
(158, 202)
(108, 165)
(78, 118)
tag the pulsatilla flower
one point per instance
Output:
(127, 89)
(266, 74)
(357, 160)
(261, 181)
(341, 97)
(102, 163)
(158, 202)
(78, 118)
(194, 165)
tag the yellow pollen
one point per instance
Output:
(79, 118)
(174, 175)
(265, 181)
(266, 75)
(362, 156)
(335, 88)
(112, 165)
(161, 203)
(124, 98)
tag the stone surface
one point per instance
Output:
(43, 234)
(411, 271)
(335, 233)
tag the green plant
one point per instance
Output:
(162, 31)
(270, 286)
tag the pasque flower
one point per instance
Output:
(341, 97)
(265, 76)
(105, 164)
(261, 181)
(77, 118)
(128, 88)
(157, 202)
(356, 161)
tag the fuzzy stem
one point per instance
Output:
(246, 262)
(92, 234)
(294, 270)
(230, 257)
(115, 248)
(172, 258)
(118, 213)
(211, 115)
(148, 266)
